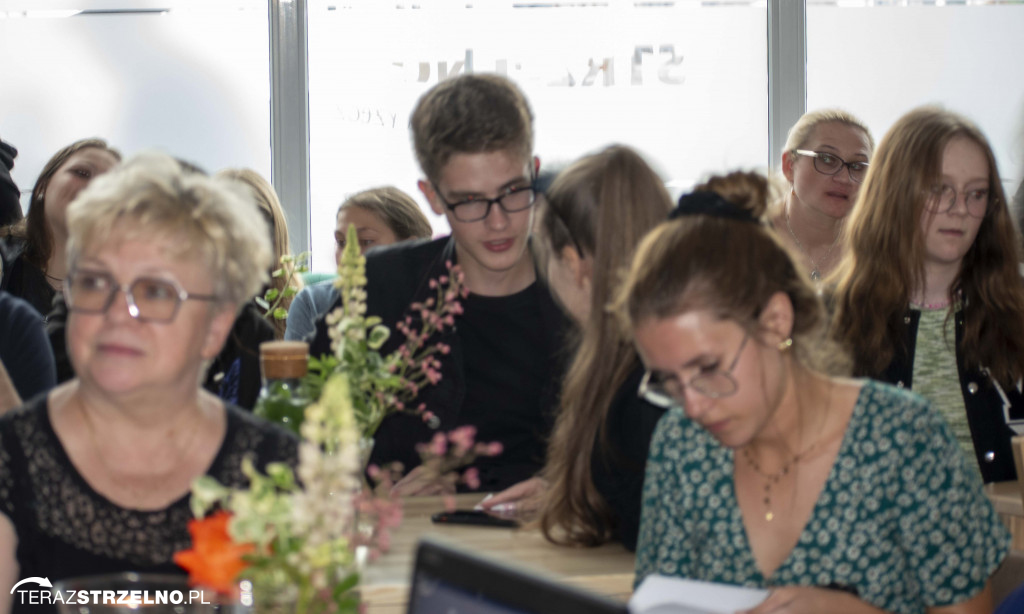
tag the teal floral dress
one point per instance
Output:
(902, 521)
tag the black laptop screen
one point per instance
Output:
(448, 580)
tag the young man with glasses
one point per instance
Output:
(473, 139)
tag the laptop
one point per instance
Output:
(450, 580)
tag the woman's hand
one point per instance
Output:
(523, 497)
(422, 482)
(811, 600)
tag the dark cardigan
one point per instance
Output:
(989, 407)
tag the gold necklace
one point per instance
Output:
(138, 495)
(772, 479)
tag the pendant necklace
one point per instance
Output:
(815, 269)
(772, 479)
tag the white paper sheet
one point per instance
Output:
(665, 595)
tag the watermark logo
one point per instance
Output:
(47, 595)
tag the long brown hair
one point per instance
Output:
(602, 205)
(730, 268)
(34, 229)
(885, 259)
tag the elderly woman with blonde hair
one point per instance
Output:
(95, 477)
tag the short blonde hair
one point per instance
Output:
(153, 196)
(801, 131)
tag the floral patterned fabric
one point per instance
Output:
(901, 521)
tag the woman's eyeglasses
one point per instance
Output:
(667, 390)
(150, 299)
(943, 198)
(830, 164)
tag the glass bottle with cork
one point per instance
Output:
(283, 397)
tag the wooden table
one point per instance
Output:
(607, 570)
(1006, 498)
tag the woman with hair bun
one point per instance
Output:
(841, 495)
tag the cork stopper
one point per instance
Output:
(284, 359)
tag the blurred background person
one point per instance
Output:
(594, 214)
(771, 472)
(824, 161)
(930, 296)
(26, 361)
(270, 206)
(33, 250)
(160, 261)
(382, 216)
(10, 195)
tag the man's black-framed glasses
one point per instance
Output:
(150, 299)
(830, 164)
(511, 200)
(667, 390)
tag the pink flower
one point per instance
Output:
(438, 445)
(463, 438)
(472, 478)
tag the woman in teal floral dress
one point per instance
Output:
(841, 495)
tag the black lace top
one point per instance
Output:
(66, 529)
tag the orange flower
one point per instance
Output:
(214, 560)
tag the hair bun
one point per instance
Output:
(747, 190)
(711, 204)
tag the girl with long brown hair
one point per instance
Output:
(597, 211)
(929, 295)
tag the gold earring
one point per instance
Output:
(785, 345)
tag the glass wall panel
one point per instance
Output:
(684, 82)
(880, 61)
(191, 78)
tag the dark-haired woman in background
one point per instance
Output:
(841, 495)
(597, 211)
(33, 250)
(929, 296)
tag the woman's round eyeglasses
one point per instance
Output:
(943, 198)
